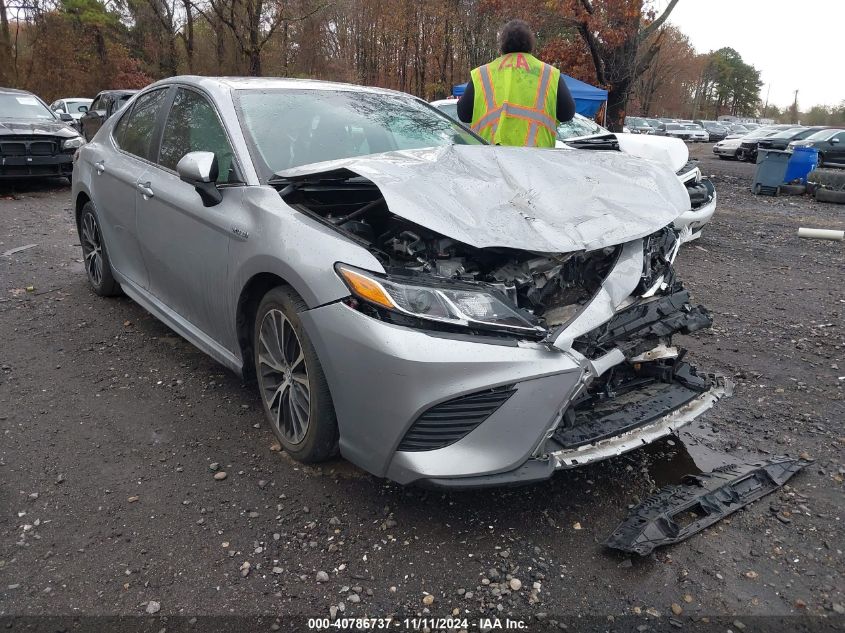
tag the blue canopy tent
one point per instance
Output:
(588, 99)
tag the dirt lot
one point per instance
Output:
(111, 424)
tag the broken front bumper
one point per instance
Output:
(461, 410)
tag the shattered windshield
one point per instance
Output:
(579, 126)
(23, 106)
(289, 127)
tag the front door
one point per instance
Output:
(836, 153)
(186, 244)
(115, 183)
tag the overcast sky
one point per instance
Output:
(795, 45)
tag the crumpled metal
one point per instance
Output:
(541, 200)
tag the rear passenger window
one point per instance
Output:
(134, 132)
(193, 126)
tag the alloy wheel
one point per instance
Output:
(283, 376)
(92, 248)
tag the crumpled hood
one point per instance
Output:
(36, 127)
(528, 199)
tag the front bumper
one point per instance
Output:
(725, 150)
(36, 166)
(385, 378)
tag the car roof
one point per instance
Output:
(117, 92)
(269, 83)
(14, 91)
(74, 99)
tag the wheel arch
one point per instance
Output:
(82, 198)
(248, 300)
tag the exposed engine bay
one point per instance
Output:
(550, 289)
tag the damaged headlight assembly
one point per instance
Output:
(458, 304)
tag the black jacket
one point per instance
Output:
(565, 103)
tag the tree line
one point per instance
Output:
(60, 48)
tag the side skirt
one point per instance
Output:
(178, 324)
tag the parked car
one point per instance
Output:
(698, 133)
(449, 106)
(104, 105)
(676, 130)
(750, 142)
(831, 146)
(732, 148)
(715, 131)
(658, 126)
(34, 140)
(638, 125)
(74, 106)
(782, 139)
(584, 133)
(438, 309)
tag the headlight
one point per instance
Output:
(73, 143)
(461, 305)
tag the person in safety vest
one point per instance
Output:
(516, 99)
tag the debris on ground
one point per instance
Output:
(677, 512)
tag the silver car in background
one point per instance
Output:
(436, 309)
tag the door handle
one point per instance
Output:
(146, 190)
(100, 165)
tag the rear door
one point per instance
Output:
(185, 244)
(120, 162)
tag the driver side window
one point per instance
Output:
(193, 126)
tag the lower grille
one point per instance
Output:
(449, 421)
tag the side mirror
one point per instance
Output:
(834, 141)
(199, 169)
(83, 109)
(64, 116)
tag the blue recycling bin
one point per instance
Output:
(803, 161)
(771, 168)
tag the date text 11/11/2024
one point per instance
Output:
(415, 624)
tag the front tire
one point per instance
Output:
(96, 257)
(294, 391)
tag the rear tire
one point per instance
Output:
(294, 392)
(94, 253)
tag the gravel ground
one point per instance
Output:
(114, 429)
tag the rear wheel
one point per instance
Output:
(294, 392)
(96, 257)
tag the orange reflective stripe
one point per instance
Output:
(543, 88)
(487, 87)
(530, 114)
(535, 118)
(488, 119)
(531, 135)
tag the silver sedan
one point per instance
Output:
(433, 308)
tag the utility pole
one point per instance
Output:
(795, 108)
(766, 107)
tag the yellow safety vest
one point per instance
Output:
(516, 101)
